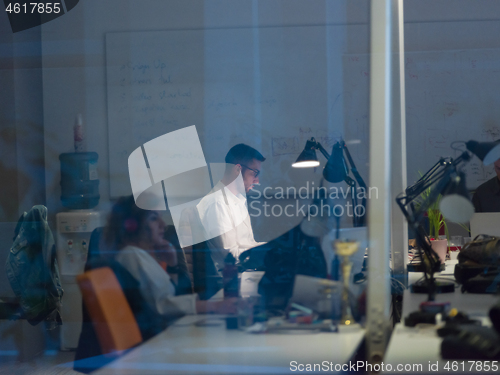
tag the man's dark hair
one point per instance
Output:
(242, 153)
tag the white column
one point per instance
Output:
(379, 208)
(399, 227)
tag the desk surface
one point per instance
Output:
(185, 347)
(473, 304)
(421, 346)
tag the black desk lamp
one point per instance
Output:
(308, 158)
(335, 170)
(455, 204)
(487, 152)
(444, 178)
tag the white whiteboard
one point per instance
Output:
(451, 95)
(271, 88)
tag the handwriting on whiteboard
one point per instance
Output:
(285, 145)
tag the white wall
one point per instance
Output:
(22, 176)
(74, 74)
(74, 78)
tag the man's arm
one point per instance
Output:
(221, 233)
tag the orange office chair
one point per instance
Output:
(113, 320)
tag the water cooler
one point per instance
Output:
(73, 235)
(79, 194)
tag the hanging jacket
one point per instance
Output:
(32, 269)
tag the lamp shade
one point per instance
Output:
(487, 152)
(455, 204)
(336, 169)
(307, 157)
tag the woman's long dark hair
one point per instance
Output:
(125, 223)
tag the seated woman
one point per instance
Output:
(137, 235)
(180, 272)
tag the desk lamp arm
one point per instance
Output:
(320, 148)
(410, 190)
(430, 177)
(354, 170)
(361, 220)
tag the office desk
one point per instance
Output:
(472, 304)
(421, 345)
(188, 348)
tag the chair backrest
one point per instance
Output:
(186, 236)
(206, 279)
(109, 310)
(98, 249)
(172, 236)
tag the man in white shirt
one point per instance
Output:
(224, 213)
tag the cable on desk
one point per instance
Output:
(420, 280)
(397, 286)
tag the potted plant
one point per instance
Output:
(436, 222)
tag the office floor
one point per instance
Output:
(52, 363)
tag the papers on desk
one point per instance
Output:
(309, 291)
(249, 283)
(279, 324)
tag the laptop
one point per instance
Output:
(485, 223)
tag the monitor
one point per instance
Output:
(485, 223)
